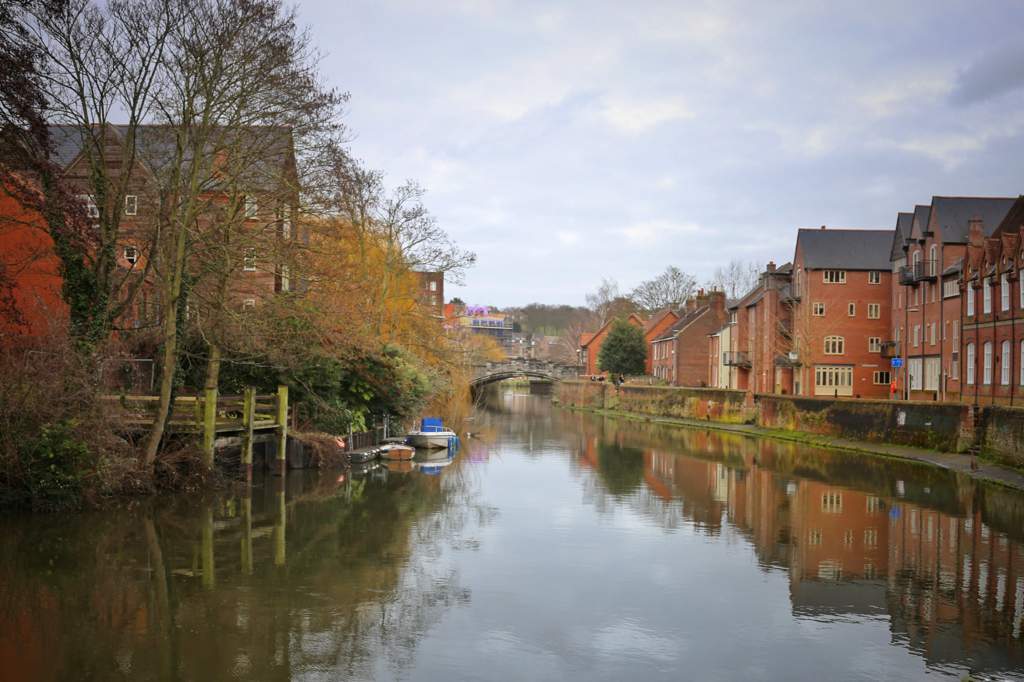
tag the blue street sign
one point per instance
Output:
(897, 363)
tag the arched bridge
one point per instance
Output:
(532, 369)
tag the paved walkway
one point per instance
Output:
(985, 471)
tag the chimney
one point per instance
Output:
(716, 299)
(975, 232)
(771, 266)
(823, 227)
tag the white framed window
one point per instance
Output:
(986, 296)
(874, 344)
(874, 277)
(1004, 292)
(954, 365)
(986, 368)
(950, 288)
(833, 380)
(874, 311)
(286, 278)
(131, 204)
(917, 335)
(970, 363)
(931, 333)
(835, 345)
(915, 372)
(251, 207)
(286, 222)
(932, 372)
(433, 285)
(880, 378)
(851, 309)
(91, 209)
(1005, 363)
(970, 300)
(833, 276)
(249, 303)
(956, 333)
(249, 260)
(933, 264)
(818, 309)
(131, 254)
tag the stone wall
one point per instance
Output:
(1004, 434)
(589, 394)
(720, 405)
(938, 426)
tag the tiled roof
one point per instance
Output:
(656, 319)
(1014, 219)
(683, 323)
(904, 221)
(845, 249)
(952, 215)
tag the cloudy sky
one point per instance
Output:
(564, 142)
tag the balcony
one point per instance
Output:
(907, 276)
(790, 359)
(736, 358)
(925, 270)
(889, 349)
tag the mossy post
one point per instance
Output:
(247, 534)
(282, 433)
(209, 571)
(248, 416)
(280, 523)
(209, 425)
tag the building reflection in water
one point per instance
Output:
(936, 553)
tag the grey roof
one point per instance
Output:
(955, 268)
(683, 323)
(904, 221)
(845, 249)
(1014, 219)
(921, 216)
(951, 215)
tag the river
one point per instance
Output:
(555, 546)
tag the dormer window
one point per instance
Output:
(131, 204)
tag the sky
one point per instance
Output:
(565, 142)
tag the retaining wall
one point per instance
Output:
(1003, 438)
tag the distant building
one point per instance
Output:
(680, 354)
(759, 356)
(431, 292)
(590, 344)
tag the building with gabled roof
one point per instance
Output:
(590, 344)
(680, 354)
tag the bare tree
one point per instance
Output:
(670, 289)
(602, 299)
(736, 278)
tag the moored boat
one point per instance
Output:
(431, 434)
(397, 451)
(363, 455)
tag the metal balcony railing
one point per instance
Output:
(907, 276)
(925, 270)
(736, 358)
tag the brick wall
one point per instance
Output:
(1004, 434)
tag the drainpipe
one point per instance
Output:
(1013, 340)
(977, 346)
(942, 322)
(906, 333)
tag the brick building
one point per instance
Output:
(590, 344)
(431, 293)
(654, 328)
(993, 311)
(927, 257)
(760, 340)
(680, 354)
(841, 312)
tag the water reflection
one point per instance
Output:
(554, 546)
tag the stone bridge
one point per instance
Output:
(541, 370)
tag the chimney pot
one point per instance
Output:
(771, 266)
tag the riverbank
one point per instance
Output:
(977, 468)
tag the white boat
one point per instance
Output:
(431, 434)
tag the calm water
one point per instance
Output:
(555, 546)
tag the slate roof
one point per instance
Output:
(1014, 219)
(904, 221)
(845, 249)
(683, 323)
(921, 216)
(951, 215)
(656, 319)
(955, 268)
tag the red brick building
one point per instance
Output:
(760, 339)
(431, 293)
(841, 312)
(927, 321)
(680, 354)
(993, 320)
(590, 344)
(655, 327)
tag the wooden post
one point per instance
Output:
(247, 533)
(282, 426)
(248, 416)
(209, 425)
(280, 524)
(209, 576)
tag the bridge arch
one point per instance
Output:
(495, 377)
(541, 370)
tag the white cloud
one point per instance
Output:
(567, 237)
(637, 115)
(652, 231)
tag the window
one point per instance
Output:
(249, 303)
(932, 372)
(851, 309)
(970, 300)
(818, 309)
(832, 503)
(834, 276)
(1022, 363)
(250, 206)
(1005, 362)
(931, 333)
(131, 204)
(433, 285)
(249, 260)
(915, 372)
(986, 296)
(814, 537)
(1004, 292)
(1020, 288)
(286, 222)
(970, 363)
(131, 254)
(934, 260)
(874, 344)
(874, 311)
(880, 378)
(917, 335)
(954, 365)
(874, 277)
(986, 371)
(91, 209)
(870, 537)
(286, 278)
(950, 288)
(833, 380)
(834, 345)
